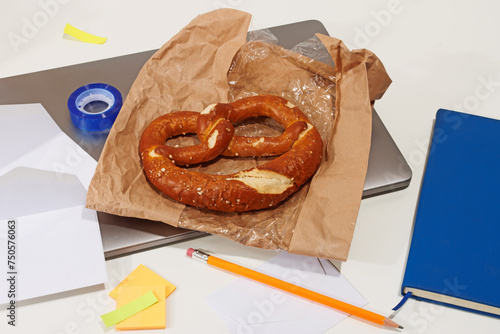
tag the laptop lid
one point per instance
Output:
(387, 168)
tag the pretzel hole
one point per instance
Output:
(260, 126)
(189, 139)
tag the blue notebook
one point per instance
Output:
(454, 255)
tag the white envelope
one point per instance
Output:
(30, 137)
(58, 244)
(250, 307)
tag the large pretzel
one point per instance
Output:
(300, 146)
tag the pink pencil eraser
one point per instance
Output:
(190, 252)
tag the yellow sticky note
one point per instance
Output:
(127, 310)
(153, 317)
(82, 35)
(143, 276)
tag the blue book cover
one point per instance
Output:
(454, 255)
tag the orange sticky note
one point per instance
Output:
(143, 276)
(153, 317)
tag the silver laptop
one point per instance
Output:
(387, 168)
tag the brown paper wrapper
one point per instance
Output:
(211, 61)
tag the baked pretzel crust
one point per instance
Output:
(265, 186)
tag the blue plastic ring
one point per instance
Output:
(90, 121)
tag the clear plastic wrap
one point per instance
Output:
(305, 76)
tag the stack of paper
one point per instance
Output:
(44, 177)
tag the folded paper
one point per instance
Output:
(23, 183)
(30, 137)
(249, 307)
(51, 220)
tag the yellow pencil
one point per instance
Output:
(293, 289)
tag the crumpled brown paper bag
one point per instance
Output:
(198, 67)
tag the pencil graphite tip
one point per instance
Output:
(390, 323)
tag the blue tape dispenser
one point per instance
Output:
(94, 107)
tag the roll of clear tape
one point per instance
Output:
(82, 102)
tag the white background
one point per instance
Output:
(440, 54)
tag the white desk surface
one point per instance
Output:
(440, 54)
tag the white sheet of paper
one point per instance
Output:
(250, 307)
(44, 177)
